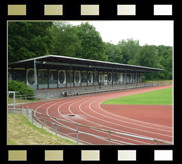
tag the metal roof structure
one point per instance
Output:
(64, 62)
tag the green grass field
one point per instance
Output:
(158, 97)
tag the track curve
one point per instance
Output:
(88, 110)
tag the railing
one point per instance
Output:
(31, 116)
(22, 98)
(15, 108)
(25, 97)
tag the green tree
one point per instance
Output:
(162, 48)
(65, 39)
(165, 60)
(28, 39)
(123, 45)
(147, 56)
(113, 53)
(130, 49)
(109, 51)
(118, 56)
(92, 46)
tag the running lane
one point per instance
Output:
(87, 110)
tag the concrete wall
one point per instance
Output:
(52, 85)
(43, 86)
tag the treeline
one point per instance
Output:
(33, 39)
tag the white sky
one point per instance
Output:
(147, 32)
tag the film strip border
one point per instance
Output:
(90, 155)
(90, 10)
(78, 154)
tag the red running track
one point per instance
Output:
(151, 121)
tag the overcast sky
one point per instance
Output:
(147, 32)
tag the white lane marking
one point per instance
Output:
(70, 119)
(134, 119)
(81, 118)
(115, 96)
(52, 104)
(63, 116)
(123, 126)
(104, 125)
(89, 97)
(127, 121)
(52, 119)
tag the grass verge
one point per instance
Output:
(160, 82)
(10, 100)
(22, 132)
(158, 97)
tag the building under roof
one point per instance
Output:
(54, 71)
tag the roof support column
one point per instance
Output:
(152, 78)
(107, 79)
(112, 78)
(141, 77)
(35, 78)
(80, 78)
(73, 78)
(145, 78)
(132, 74)
(94, 79)
(126, 79)
(48, 78)
(57, 79)
(136, 79)
(70, 78)
(132, 77)
(98, 77)
(157, 77)
(66, 78)
(87, 77)
(118, 77)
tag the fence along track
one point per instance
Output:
(90, 127)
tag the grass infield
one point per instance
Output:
(158, 97)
